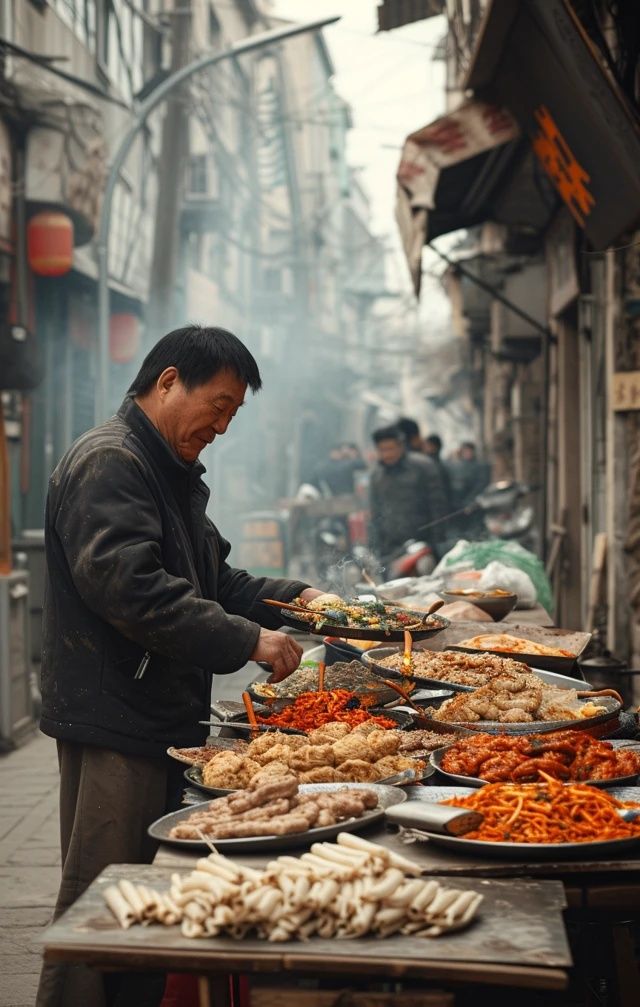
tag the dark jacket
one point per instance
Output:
(135, 566)
(403, 498)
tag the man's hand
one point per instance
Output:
(310, 593)
(279, 651)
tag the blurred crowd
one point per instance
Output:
(413, 492)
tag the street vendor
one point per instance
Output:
(141, 610)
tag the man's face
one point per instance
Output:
(390, 451)
(431, 449)
(467, 454)
(189, 420)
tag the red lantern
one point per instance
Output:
(50, 244)
(124, 337)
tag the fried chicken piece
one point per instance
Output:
(272, 771)
(515, 715)
(224, 770)
(352, 747)
(320, 774)
(310, 757)
(329, 733)
(383, 743)
(392, 764)
(357, 770)
(266, 741)
(277, 753)
(365, 728)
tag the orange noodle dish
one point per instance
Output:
(549, 812)
(313, 709)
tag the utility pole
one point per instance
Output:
(171, 173)
(157, 96)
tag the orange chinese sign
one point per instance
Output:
(566, 173)
(625, 391)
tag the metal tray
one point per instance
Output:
(437, 624)
(193, 776)
(381, 695)
(552, 637)
(612, 711)
(372, 658)
(475, 781)
(403, 719)
(387, 796)
(523, 851)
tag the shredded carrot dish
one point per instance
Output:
(314, 709)
(551, 812)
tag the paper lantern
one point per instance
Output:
(124, 337)
(50, 244)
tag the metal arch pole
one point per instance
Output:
(142, 113)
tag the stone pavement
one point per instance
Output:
(29, 852)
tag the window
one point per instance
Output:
(198, 174)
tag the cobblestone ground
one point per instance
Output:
(29, 853)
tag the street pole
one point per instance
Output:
(142, 113)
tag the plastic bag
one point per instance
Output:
(511, 579)
(478, 555)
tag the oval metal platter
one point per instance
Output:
(403, 719)
(559, 665)
(372, 658)
(193, 776)
(611, 712)
(382, 695)
(387, 796)
(609, 848)
(436, 624)
(475, 781)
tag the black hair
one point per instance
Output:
(198, 353)
(409, 428)
(468, 444)
(434, 439)
(393, 433)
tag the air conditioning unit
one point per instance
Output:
(16, 705)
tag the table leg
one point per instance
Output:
(214, 991)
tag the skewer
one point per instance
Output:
(408, 647)
(251, 714)
(321, 670)
(286, 605)
(206, 841)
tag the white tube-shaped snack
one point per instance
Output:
(119, 906)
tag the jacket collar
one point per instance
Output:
(162, 453)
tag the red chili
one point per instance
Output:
(314, 709)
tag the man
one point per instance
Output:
(402, 494)
(468, 475)
(433, 450)
(141, 609)
(411, 433)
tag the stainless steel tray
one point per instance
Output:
(553, 637)
(437, 624)
(612, 710)
(387, 796)
(523, 851)
(475, 781)
(193, 776)
(372, 658)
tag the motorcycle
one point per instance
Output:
(505, 515)
(416, 559)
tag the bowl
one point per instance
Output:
(497, 606)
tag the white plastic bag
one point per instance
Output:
(511, 579)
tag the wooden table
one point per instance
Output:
(530, 953)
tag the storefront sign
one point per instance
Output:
(537, 59)
(625, 391)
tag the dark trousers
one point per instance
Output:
(107, 802)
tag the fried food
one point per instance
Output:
(321, 774)
(229, 771)
(311, 757)
(521, 699)
(561, 755)
(453, 666)
(383, 743)
(513, 645)
(357, 770)
(278, 753)
(274, 808)
(330, 732)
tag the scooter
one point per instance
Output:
(416, 559)
(505, 515)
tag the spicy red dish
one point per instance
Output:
(314, 709)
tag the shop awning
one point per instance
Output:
(447, 172)
(536, 59)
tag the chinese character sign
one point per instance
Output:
(558, 160)
(625, 391)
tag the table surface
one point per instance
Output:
(532, 951)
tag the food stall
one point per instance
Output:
(332, 841)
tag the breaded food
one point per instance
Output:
(393, 764)
(352, 747)
(329, 733)
(367, 727)
(383, 743)
(270, 738)
(358, 771)
(312, 756)
(272, 771)
(224, 771)
(277, 753)
(321, 774)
